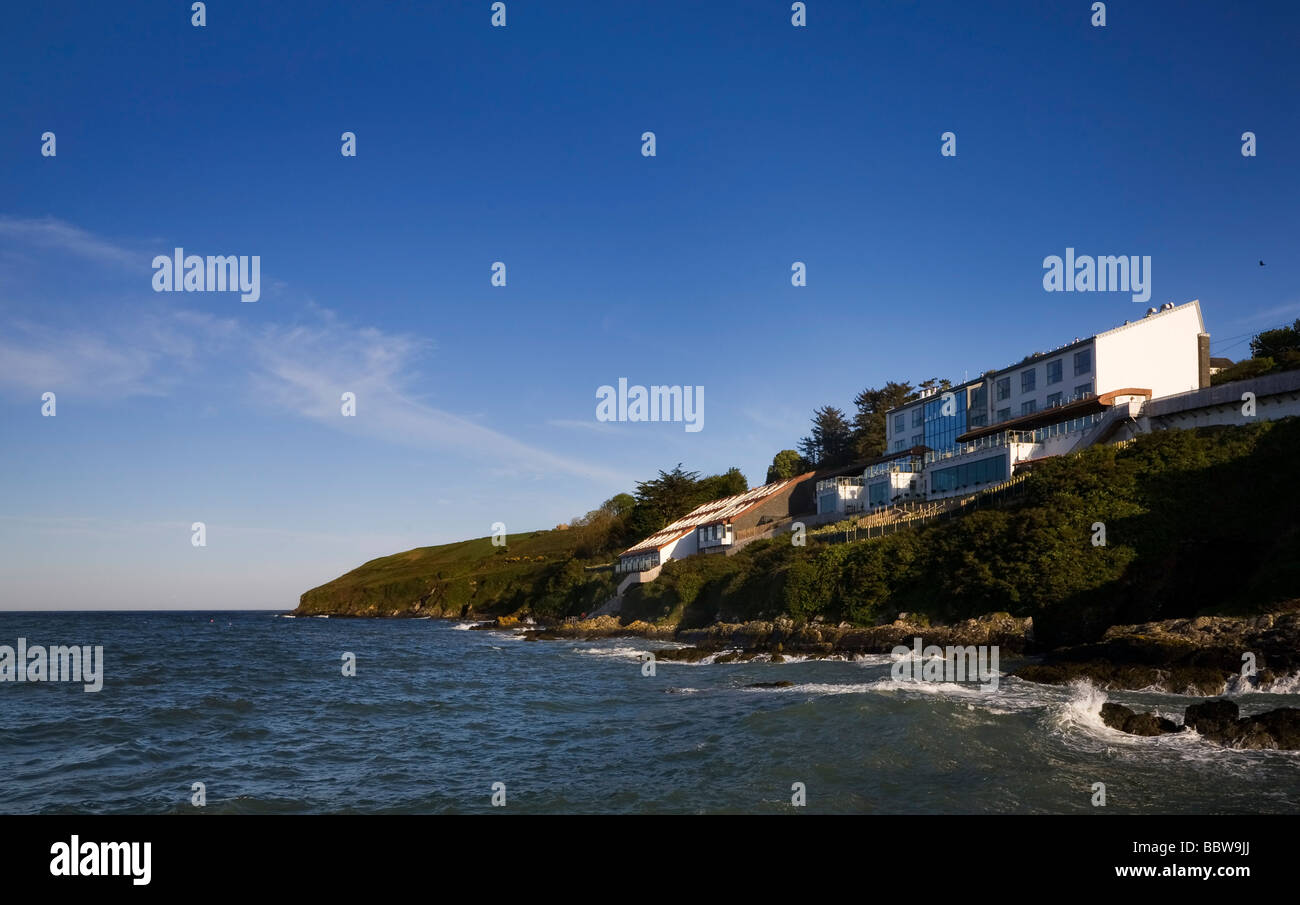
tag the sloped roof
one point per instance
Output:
(712, 512)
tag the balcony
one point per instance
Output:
(836, 483)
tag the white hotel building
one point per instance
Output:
(981, 432)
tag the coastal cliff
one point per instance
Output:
(1200, 564)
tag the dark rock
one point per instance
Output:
(1212, 718)
(1282, 725)
(1218, 722)
(1117, 716)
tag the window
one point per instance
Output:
(985, 471)
(1082, 362)
(1028, 380)
(1004, 388)
(977, 419)
(1083, 389)
(1055, 371)
(1028, 408)
(900, 444)
(898, 423)
(918, 416)
(1004, 414)
(1053, 399)
(918, 439)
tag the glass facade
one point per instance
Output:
(978, 415)
(1055, 371)
(942, 431)
(878, 493)
(969, 475)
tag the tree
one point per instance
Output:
(831, 441)
(869, 422)
(672, 494)
(715, 487)
(619, 505)
(1282, 345)
(785, 464)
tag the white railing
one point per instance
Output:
(836, 483)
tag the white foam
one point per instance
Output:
(614, 653)
(1281, 685)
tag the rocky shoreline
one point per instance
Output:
(782, 637)
(1204, 656)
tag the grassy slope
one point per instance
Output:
(534, 568)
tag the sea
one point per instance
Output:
(439, 717)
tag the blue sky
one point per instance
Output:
(476, 404)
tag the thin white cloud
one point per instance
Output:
(600, 427)
(300, 369)
(88, 364)
(49, 232)
(305, 370)
(1276, 313)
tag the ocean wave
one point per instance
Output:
(1281, 685)
(614, 653)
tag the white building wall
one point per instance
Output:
(1158, 352)
(681, 548)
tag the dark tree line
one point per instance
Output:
(836, 439)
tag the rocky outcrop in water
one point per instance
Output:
(1117, 716)
(1220, 722)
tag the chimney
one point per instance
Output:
(1203, 358)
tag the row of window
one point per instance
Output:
(1028, 408)
(1055, 374)
(713, 532)
(642, 562)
